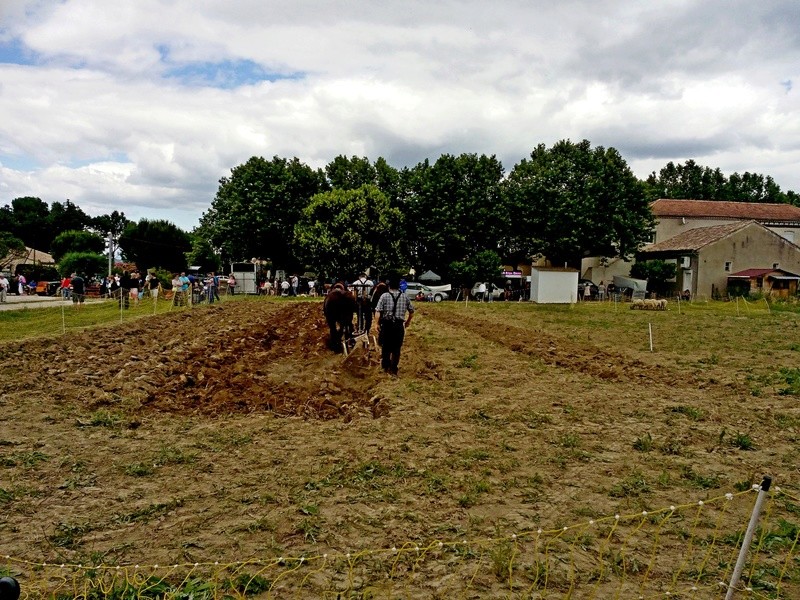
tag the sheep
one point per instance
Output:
(662, 304)
(637, 304)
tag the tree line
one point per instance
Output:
(461, 216)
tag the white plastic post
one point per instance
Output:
(63, 322)
(650, 327)
(737, 306)
(748, 536)
(769, 310)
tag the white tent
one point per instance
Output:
(554, 286)
(429, 276)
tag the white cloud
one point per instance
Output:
(97, 119)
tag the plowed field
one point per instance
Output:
(230, 432)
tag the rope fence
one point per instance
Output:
(680, 551)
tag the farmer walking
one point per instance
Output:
(392, 308)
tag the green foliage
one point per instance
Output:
(454, 209)
(573, 200)
(791, 377)
(692, 181)
(343, 231)
(153, 244)
(657, 273)
(256, 208)
(8, 243)
(87, 263)
(76, 241)
(32, 221)
(202, 255)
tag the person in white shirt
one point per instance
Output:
(362, 288)
(3, 287)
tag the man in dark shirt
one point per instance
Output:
(78, 290)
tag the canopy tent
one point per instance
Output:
(429, 276)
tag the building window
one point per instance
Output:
(728, 266)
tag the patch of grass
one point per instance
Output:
(743, 441)
(468, 362)
(309, 528)
(704, 482)
(502, 557)
(694, 414)
(104, 418)
(68, 535)
(643, 443)
(7, 496)
(570, 440)
(633, 486)
(143, 515)
(28, 460)
(139, 469)
(170, 455)
(791, 379)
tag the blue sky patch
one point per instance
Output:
(18, 163)
(14, 52)
(227, 74)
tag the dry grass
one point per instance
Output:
(506, 418)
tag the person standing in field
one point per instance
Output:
(362, 287)
(3, 287)
(392, 308)
(65, 283)
(78, 291)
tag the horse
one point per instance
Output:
(339, 307)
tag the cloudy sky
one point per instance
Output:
(142, 106)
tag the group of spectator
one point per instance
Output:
(291, 286)
(196, 289)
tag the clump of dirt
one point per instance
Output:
(240, 357)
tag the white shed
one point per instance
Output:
(550, 285)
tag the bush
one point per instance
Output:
(87, 263)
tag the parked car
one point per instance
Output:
(47, 288)
(497, 291)
(414, 288)
(593, 290)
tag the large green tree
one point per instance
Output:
(155, 244)
(255, 210)
(344, 231)
(110, 226)
(202, 255)
(76, 241)
(9, 243)
(30, 222)
(572, 201)
(66, 217)
(692, 181)
(454, 209)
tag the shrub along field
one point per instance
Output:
(229, 440)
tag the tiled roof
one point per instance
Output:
(694, 239)
(751, 273)
(717, 209)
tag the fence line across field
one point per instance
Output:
(687, 551)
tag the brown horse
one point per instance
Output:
(339, 307)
